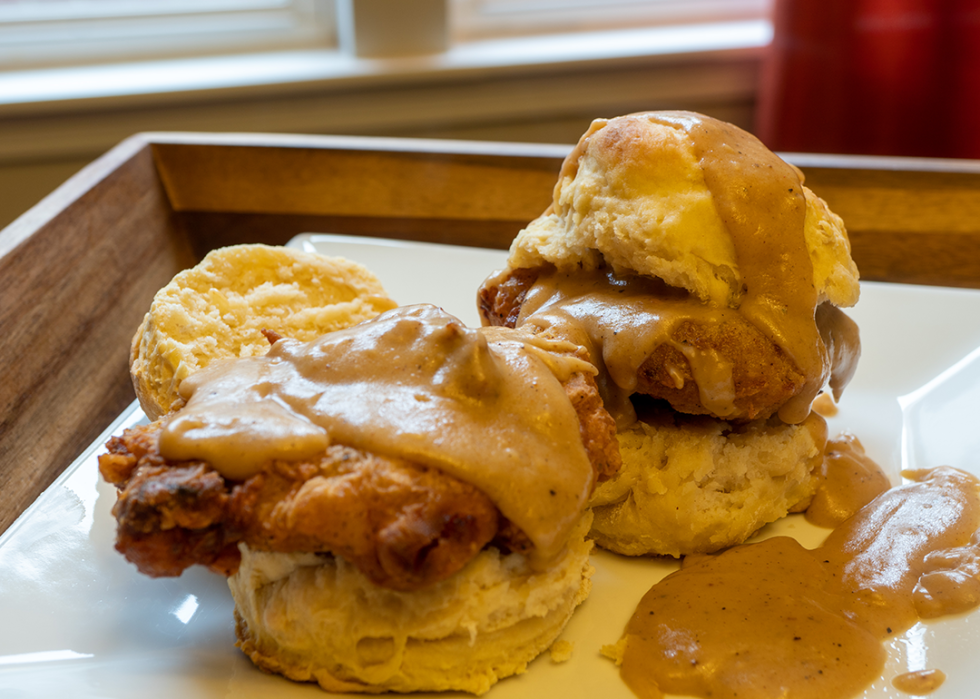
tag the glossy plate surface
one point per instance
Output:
(77, 620)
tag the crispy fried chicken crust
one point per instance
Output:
(763, 375)
(401, 524)
(500, 303)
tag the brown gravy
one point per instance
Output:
(774, 619)
(779, 294)
(621, 321)
(825, 406)
(486, 406)
(919, 683)
(847, 481)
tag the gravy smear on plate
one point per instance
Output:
(774, 619)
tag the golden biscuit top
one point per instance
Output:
(219, 308)
(634, 194)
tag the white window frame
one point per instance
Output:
(73, 32)
(70, 32)
(482, 19)
(205, 48)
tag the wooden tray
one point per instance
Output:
(78, 271)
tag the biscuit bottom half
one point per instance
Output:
(314, 618)
(699, 485)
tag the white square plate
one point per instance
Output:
(77, 620)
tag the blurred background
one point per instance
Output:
(884, 77)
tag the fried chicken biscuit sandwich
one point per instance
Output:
(400, 505)
(705, 279)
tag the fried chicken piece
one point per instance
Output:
(763, 375)
(402, 525)
(166, 553)
(596, 426)
(167, 515)
(500, 301)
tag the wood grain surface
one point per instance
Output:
(78, 271)
(76, 278)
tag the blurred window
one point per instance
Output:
(58, 32)
(487, 18)
(39, 33)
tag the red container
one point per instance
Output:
(873, 77)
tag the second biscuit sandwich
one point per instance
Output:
(706, 281)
